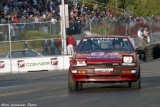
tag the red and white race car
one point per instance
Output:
(104, 59)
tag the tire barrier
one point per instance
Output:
(153, 51)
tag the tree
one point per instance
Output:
(136, 7)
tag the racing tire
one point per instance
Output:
(136, 84)
(72, 85)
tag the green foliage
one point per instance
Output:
(136, 7)
(27, 35)
(101, 30)
(5, 47)
(31, 35)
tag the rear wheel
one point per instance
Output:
(72, 85)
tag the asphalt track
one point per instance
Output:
(49, 89)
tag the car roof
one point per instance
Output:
(20, 50)
(95, 36)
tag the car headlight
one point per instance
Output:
(81, 63)
(127, 59)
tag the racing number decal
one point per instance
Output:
(2, 64)
(54, 61)
(21, 64)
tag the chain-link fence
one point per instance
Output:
(17, 29)
(110, 26)
(21, 36)
(34, 33)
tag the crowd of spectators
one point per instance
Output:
(22, 11)
(80, 16)
(99, 14)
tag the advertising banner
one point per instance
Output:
(20, 65)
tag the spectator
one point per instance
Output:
(54, 25)
(23, 19)
(143, 45)
(95, 7)
(52, 46)
(58, 46)
(6, 8)
(35, 2)
(25, 46)
(53, 20)
(36, 19)
(146, 34)
(131, 39)
(3, 20)
(70, 42)
(45, 46)
(140, 33)
(75, 3)
(13, 32)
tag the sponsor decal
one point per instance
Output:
(113, 54)
(101, 57)
(125, 40)
(105, 38)
(2, 64)
(54, 61)
(37, 64)
(21, 64)
(84, 40)
(97, 53)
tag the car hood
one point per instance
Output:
(113, 56)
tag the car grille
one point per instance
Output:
(100, 65)
(102, 76)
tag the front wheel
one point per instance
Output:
(72, 85)
(136, 84)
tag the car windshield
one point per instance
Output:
(104, 44)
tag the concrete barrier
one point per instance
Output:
(21, 65)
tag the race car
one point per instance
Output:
(104, 59)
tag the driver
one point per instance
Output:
(116, 44)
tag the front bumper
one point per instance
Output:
(121, 74)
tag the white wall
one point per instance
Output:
(20, 65)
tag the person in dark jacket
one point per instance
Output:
(52, 46)
(143, 44)
(45, 46)
(25, 46)
(58, 46)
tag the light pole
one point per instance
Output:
(63, 28)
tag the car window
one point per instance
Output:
(31, 54)
(18, 54)
(104, 44)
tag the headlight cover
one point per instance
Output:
(80, 63)
(127, 59)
